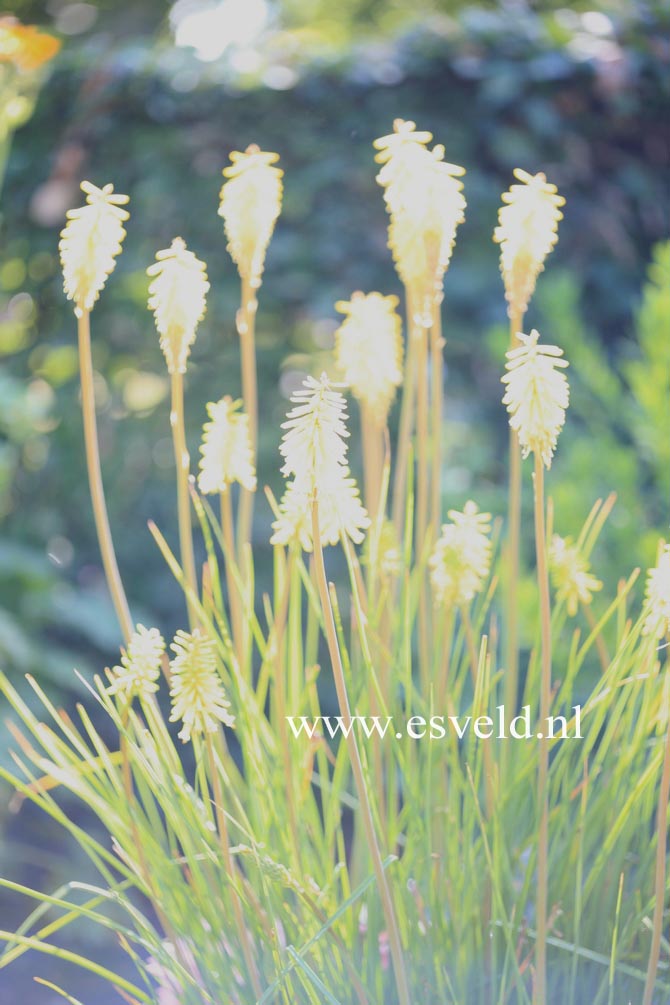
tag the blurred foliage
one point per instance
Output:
(584, 99)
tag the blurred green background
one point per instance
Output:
(153, 97)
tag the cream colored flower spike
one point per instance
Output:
(315, 458)
(571, 575)
(657, 621)
(250, 204)
(369, 351)
(527, 231)
(537, 394)
(314, 443)
(226, 448)
(461, 560)
(140, 665)
(425, 202)
(90, 243)
(340, 512)
(198, 698)
(177, 297)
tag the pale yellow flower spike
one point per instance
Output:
(90, 243)
(177, 297)
(537, 394)
(250, 204)
(315, 457)
(340, 512)
(424, 198)
(571, 575)
(198, 698)
(226, 448)
(369, 351)
(140, 667)
(461, 560)
(527, 231)
(657, 621)
(314, 445)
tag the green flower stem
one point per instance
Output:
(540, 985)
(104, 533)
(183, 466)
(406, 422)
(437, 405)
(233, 589)
(513, 547)
(246, 327)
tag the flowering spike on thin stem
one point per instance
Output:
(537, 394)
(177, 297)
(314, 447)
(527, 231)
(198, 699)
(250, 204)
(90, 243)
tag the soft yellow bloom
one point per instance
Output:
(537, 394)
(424, 197)
(250, 205)
(461, 559)
(198, 698)
(369, 351)
(340, 512)
(226, 448)
(315, 457)
(90, 242)
(177, 296)
(657, 621)
(314, 444)
(571, 575)
(140, 665)
(527, 232)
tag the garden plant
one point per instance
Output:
(358, 787)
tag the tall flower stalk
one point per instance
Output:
(425, 202)
(527, 231)
(250, 204)
(177, 298)
(90, 243)
(424, 199)
(315, 455)
(537, 396)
